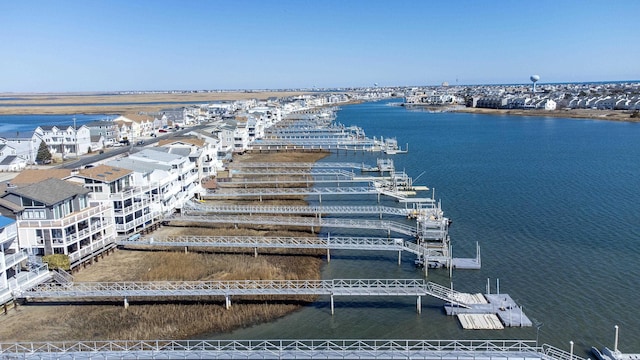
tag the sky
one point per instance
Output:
(119, 45)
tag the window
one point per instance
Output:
(83, 201)
(34, 214)
(26, 202)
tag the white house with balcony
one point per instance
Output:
(58, 217)
(65, 140)
(241, 138)
(114, 186)
(173, 179)
(186, 170)
(16, 271)
(211, 162)
(269, 115)
(108, 130)
(132, 126)
(201, 150)
(225, 133)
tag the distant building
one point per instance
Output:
(65, 140)
(25, 144)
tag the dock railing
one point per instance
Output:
(275, 349)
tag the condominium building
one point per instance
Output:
(114, 187)
(16, 271)
(55, 216)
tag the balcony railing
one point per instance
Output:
(9, 234)
(129, 209)
(14, 259)
(67, 221)
(94, 248)
(28, 279)
(134, 223)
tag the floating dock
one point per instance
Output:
(502, 306)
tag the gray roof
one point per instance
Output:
(21, 135)
(50, 191)
(100, 123)
(138, 166)
(8, 160)
(182, 151)
(156, 156)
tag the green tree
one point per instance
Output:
(44, 155)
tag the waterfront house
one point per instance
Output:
(546, 104)
(201, 150)
(172, 178)
(174, 116)
(113, 186)
(142, 127)
(107, 129)
(160, 121)
(57, 217)
(134, 126)
(241, 135)
(17, 271)
(32, 176)
(9, 160)
(97, 142)
(25, 144)
(63, 141)
(187, 180)
(492, 102)
(225, 133)
(211, 161)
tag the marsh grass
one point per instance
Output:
(175, 318)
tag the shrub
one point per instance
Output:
(57, 261)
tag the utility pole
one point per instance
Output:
(75, 134)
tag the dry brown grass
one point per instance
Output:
(90, 103)
(615, 115)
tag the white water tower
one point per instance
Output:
(534, 80)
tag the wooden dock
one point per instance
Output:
(480, 322)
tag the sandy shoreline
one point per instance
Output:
(611, 115)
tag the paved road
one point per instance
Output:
(115, 151)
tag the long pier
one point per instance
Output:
(313, 223)
(281, 242)
(202, 209)
(306, 191)
(316, 165)
(338, 173)
(287, 349)
(339, 287)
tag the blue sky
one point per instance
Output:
(241, 44)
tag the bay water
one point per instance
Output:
(554, 204)
(10, 124)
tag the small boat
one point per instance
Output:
(606, 354)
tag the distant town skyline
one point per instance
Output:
(73, 46)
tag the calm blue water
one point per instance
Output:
(554, 204)
(22, 123)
